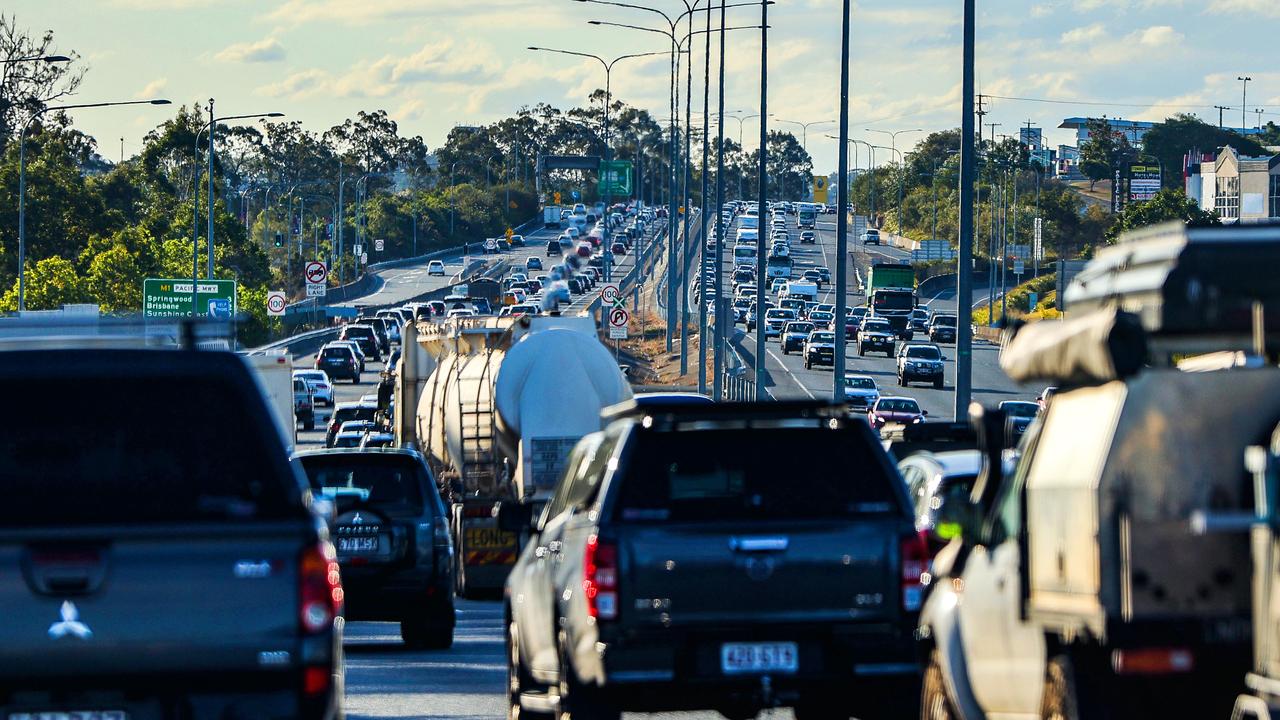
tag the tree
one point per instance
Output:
(1104, 151)
(115, 280)
(50, 284)
(1171, 140)
(1270, 134)
(28, 87)
(1166, 206)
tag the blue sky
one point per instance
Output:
(433, 64)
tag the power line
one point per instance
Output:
(1108, 104)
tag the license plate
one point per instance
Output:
(756, 658)
(72, 715)
(358, 545)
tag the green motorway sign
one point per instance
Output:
(171, 298)
(615, 178)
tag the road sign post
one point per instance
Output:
(171, 298)
(316, 274)
(276, 302)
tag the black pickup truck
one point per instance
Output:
(158, 554)
(721, 556)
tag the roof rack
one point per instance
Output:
(744, 412)
(1193, 289)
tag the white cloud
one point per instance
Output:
(1269, 8)
(152, 90)
(1086, 34)
(445, 60)
(265, 50)
(1159, 35)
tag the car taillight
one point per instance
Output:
(320, 588)
(915, 563)
(600, 578)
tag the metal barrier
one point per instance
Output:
(738, 386)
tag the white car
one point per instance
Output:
(435, 267)
(461, 312)
(320, 384)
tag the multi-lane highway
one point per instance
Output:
(786, 376)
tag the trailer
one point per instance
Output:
(496, 404)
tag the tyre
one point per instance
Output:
(808, 365)
(1069, 695)
(309, 425)
(518, 678)
(937, 384)
(426, 633)
(934, 702)
(785, 350)
(901, 382)
(579, 701)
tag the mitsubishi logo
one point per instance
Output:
(357, 520)
(70, 624)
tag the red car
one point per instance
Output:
(619, 249)
(895, 411)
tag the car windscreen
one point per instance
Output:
(740, 474)
(923, 353)
(860, 383)
(944, 320)
(393, 483)
(904, 406)
(822, 338)
(145, 450)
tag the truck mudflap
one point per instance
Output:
(485, 552)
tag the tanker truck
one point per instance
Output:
(495, 404)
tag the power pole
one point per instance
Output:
(991, 244)
(1220, 108)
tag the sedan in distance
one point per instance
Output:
(895, 411)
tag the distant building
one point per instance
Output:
(1241, 189)
(1133, 130)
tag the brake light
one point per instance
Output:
(1152, 661)
(320, 588)
(915, 563)
(600, 578)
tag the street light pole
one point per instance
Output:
(22, 175)
(717, 381)
(1244, 103)
(702, 235)
(893, 146)
(964, 262)
(608, 185)
(763, 207)
(842, 217)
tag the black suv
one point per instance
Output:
(154, 561)
(918, 362)
(366, 338)
(942, 328)
(672, 570)
(392, 537)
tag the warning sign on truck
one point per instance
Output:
(544, 461)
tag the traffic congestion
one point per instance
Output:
(477, 477)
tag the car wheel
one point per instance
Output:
(579, 701)
(937, 384)
(807, 365)
(518, 678)
(1066, 697)
(934, 702)
(309, 425)
(861, 351)
(785, 351)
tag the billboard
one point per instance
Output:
(820, 189)
(1144, 182)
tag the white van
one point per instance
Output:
(803, 290)
(743, 253)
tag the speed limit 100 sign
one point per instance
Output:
(276, 302)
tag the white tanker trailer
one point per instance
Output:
(495, 405)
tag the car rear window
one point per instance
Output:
(352, 331)
(755, 474)
(396, 484)
(345, 414)
(144, 450)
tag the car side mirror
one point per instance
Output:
(513, 516)
(924, 413)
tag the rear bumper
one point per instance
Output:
(269, 695)
(380, 595)
(681, 670)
